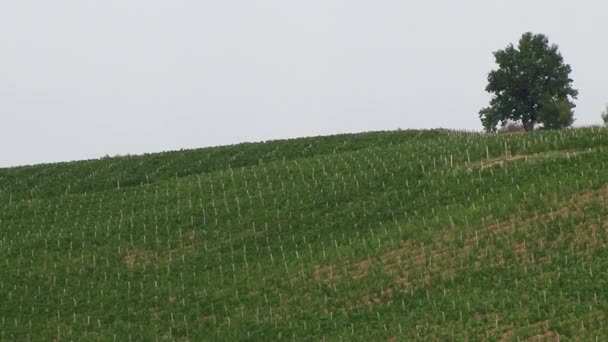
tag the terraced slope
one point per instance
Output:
(413, 235)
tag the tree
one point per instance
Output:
(532, 85)
(605, 116)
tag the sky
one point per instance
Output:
(82, 79)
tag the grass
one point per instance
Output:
(409, 235)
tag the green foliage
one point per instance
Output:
(410, 235)
(556, 114)
(605, 116)
(526, 77)
(490, 119)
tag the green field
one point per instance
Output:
(398, 236)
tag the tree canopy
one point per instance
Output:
(532, 85)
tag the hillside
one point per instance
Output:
(408, 235)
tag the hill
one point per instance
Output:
(380, 236)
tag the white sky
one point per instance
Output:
(81, 79)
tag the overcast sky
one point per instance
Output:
(81, 79)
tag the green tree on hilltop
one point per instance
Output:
(532, 85)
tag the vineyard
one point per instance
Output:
(407, 235)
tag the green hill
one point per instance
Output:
(429, 235)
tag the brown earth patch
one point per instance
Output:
(437, 258)
(385, 295)
(545, 333)
(546, 336)
(136, 257)
(361, 268)
(325, 273)
(490, 163)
